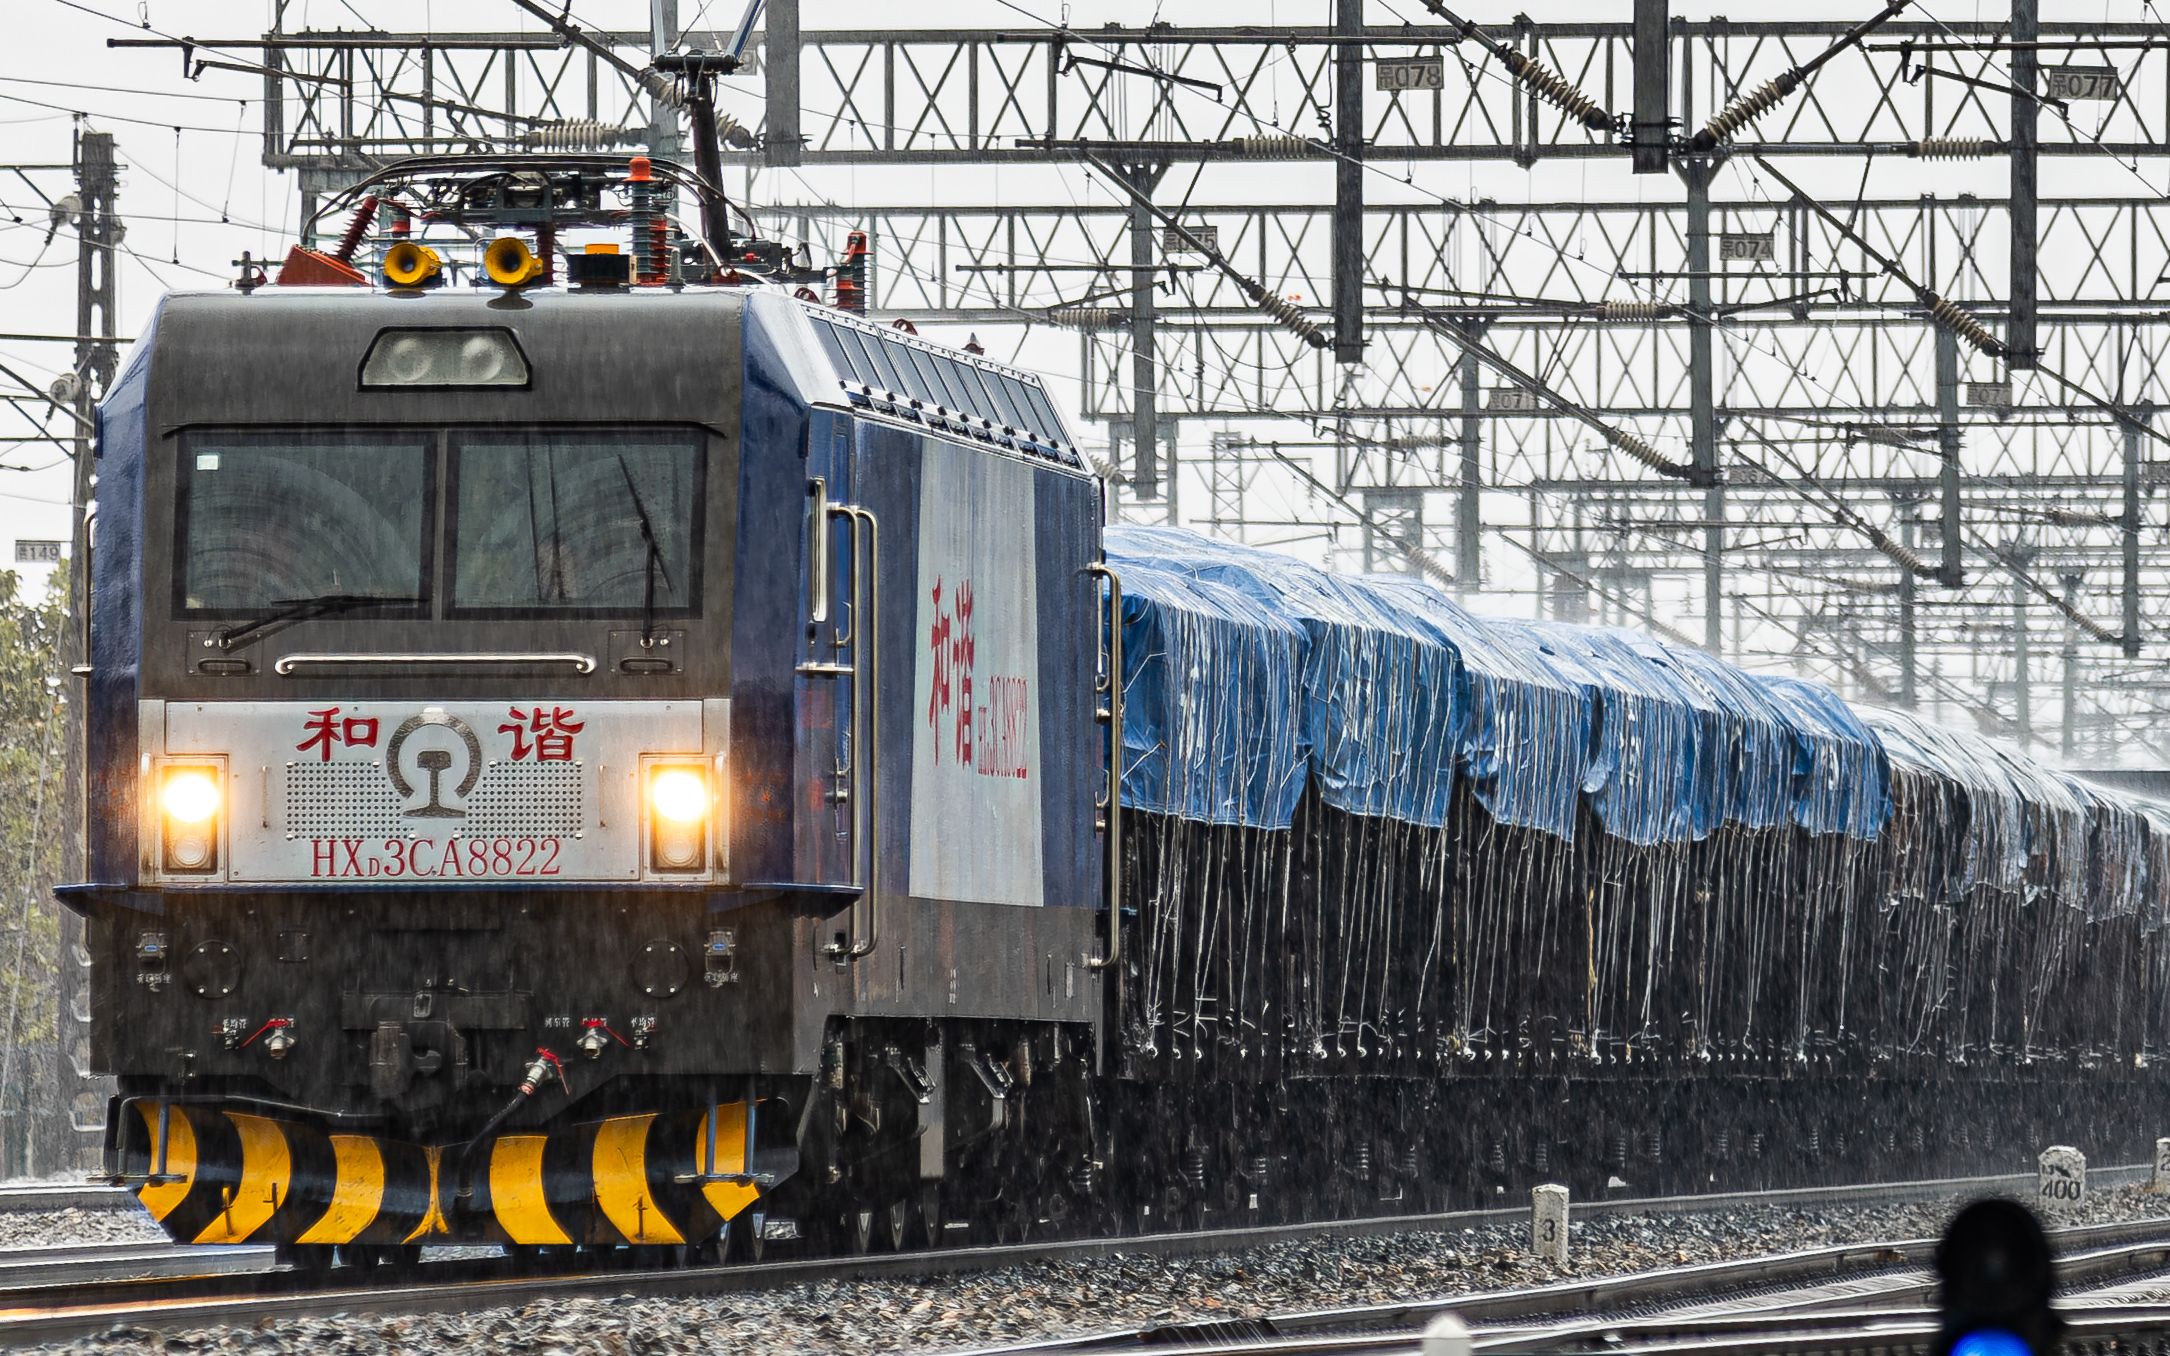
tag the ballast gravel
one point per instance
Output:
(946, 1313)
(61, 1228)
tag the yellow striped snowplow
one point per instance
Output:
(219, 1174)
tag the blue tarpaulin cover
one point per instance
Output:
(1525, 744)
(1209, 677)
(1249, 676)
(1841, 783)
(1993, 848)
(1755, 764)
(1653, 774)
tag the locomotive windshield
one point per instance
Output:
(541, 522)
(573, 521)
(268, 518)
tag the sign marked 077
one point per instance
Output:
(2081, 82)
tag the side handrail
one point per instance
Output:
(580, 663)
(866, 709)
(1109, 683)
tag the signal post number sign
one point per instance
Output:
(39, 552)
(1394, 74)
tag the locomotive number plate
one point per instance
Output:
(434, 859)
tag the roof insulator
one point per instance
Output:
(662, 88)
(1646, 454)
(364, 213)
(1883, 435)
(1746, 109)
(1087, 317)
(581, 134)
(1631, 311)
(1292, 318)
(1273, 146)
(1899, 554)
(1554, 89)
(1962, 323)
(1412, 442)
(1949, 148)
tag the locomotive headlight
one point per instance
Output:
(443, 357)
(189, 801)
(189, 796)
(678, 806)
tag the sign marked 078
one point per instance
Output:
(1417, 72)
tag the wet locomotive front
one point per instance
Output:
(411, 727)
(583, 768)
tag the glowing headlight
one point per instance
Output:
(678, 802)
(189, 797)
(679, 795)
(188, 802)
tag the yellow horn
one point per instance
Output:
(510, 263)
(407, 264)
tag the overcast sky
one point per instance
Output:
(194, 195)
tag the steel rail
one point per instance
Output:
(49, 1314)
(45, 1197)
(35, 1268)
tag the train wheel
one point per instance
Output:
(1006, 1221)
(930, 1214)
(746, 1239)
(398, 1256)
(311, 1259)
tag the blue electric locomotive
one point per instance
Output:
(541, 734)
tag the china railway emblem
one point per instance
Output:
(434, 763)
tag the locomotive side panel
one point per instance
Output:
(987, 878)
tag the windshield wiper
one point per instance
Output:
(287, 611)
(655, 560)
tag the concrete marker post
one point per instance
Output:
(1548, 1223)
(2161, 1180)
(2061, 1179)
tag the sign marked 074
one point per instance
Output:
(1746, 247)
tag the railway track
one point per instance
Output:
(61, 1306)
(1870, 1299)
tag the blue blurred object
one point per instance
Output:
(1990, 1342)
